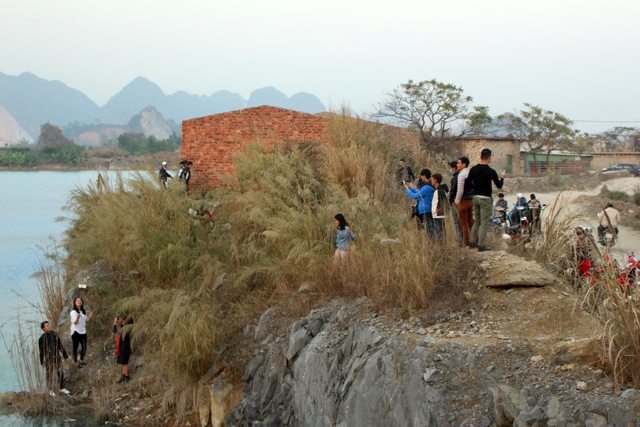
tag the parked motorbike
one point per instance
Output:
(498, 222)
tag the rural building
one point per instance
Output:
(563, 163)
(604, 160)
(505, 152)
(209, 142)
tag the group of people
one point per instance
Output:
(51, 348)
(468, 200)
(183, 174)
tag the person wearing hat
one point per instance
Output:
(609, 217)
(534, 213)
(164, 174)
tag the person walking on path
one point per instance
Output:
(424, 196)
(481, 176)
(343, 238)
(79, 320)
(50, 348)
(464, 201)
(123, 345)
(164, 174)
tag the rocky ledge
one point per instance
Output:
(350, 365)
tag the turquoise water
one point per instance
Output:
(30, 202)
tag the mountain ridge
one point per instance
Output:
(33, 101)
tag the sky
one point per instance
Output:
(580, 58)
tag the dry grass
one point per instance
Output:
(273, 230)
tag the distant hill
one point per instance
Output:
(33, 101)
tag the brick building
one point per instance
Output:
(209, 142)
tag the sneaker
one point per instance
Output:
(65, 391)
(484, 248)
(79, 366)
(51, 393)
(82, 363)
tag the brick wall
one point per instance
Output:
(209, 142)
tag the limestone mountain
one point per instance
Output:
(302, 101)
(11, 133)
(150, 122)
(33, 101)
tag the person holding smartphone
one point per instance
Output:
(79, 320)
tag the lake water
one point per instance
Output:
(30, 203)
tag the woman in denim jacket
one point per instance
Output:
(343, 238)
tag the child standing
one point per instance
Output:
(343, 238)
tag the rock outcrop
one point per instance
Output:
(346, 365)
(150, 123)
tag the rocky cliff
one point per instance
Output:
(348, 365)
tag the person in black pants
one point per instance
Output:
(78, 332)
(50, 348)
(123, 345)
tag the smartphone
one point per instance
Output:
(504, 171)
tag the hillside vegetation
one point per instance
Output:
(192, 283)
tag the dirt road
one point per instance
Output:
(628, 239)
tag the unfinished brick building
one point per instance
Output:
(210, 141)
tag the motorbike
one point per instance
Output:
(498, 222)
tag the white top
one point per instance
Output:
(81, 327)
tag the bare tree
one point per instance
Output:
(438, 111)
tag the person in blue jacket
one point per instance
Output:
(424, 196)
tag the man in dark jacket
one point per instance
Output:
(164, 174)
(50, 348)
(481, 176)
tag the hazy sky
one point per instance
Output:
(580, 58)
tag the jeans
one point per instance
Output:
(426, 221)
(465, 212)
(482, 210)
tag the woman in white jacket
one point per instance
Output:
(79, 320)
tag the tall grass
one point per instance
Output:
(198, 283)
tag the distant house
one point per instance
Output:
(505, 151)
(209, 142)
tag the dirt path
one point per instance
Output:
(628, 239)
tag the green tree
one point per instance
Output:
(132, 143)
(438, 111)
(541, 130)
